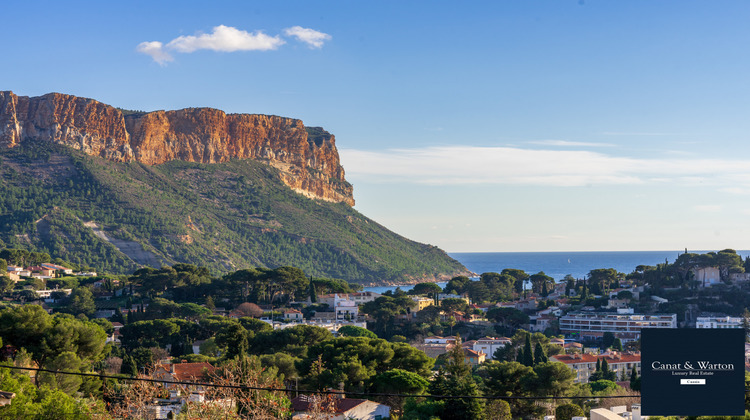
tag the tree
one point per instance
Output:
(568, 411)
(539, 355)
(234, 339)
(81, 301)
(456, 379)
(66, 362)
(354, 331)
(617, 345)
(457, 284)
(398, 381)
(453, 304)
(427, 288)
(602, 279)
(539, 281)
(210, 305)
(607, 340)
(528, 355)
(249, 309)
(553, 378)
(129, 366)
(635, 380)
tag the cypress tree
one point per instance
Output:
(539, 356)
(519, 356)
(635, 381)
(129, 366)
(598, 365)
(313, 292)
(528, 353)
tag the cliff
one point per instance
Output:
(306, 156)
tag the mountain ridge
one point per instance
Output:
(306, 156)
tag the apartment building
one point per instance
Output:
(626, 327)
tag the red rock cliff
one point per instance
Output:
(309, 164)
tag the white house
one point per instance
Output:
(489, 345)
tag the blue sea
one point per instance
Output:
(559, 264)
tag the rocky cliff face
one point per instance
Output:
(307, 157)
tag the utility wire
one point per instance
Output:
(307, 391)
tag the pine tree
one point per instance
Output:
(456, 380)
(210, 304)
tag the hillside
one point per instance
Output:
(117, 216)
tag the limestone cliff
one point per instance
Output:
(307, 157)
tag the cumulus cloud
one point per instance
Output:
(461, 165)
(155, 49)
(228, 39)
(311, 37)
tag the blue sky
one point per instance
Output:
(482, 126)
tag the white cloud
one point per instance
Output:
(462, 165)
(311, 37)
(565, 143)
(228, 39)
(155, 49)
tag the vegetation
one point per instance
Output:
(225, 217)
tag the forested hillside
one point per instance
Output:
(119, 216)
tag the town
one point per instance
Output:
(307, 347)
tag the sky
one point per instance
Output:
(527, 125)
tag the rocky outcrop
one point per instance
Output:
(306, 156)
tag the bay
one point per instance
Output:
(558, 264)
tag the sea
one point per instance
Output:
(558, 264)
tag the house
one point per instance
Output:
(46, 294)
(183, 372)
(436, 339)
(41, 271)
(474, 358)
(422, 302)
(489, 345)
(293, 315)
(539, 323)
(55, 267)
(706, 276)
(304, 407)
(529, 304)
(342, 305)
(363, 297)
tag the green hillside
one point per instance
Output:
(117, 217)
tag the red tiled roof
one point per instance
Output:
(187, 371)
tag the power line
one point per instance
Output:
(307, 391)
